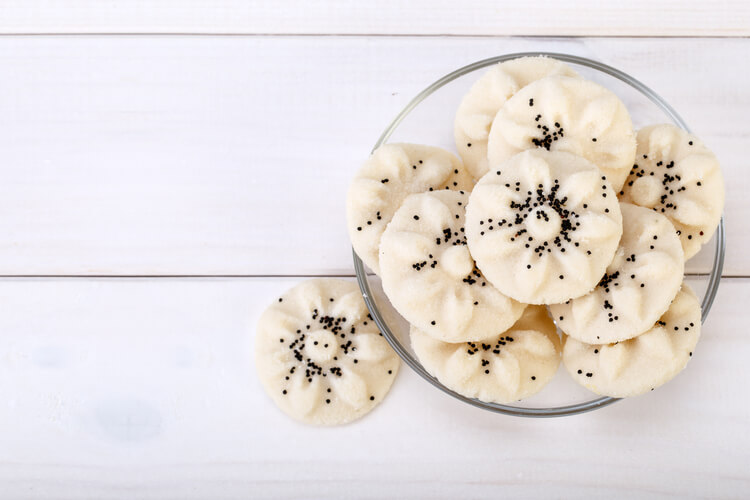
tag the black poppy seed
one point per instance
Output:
(432, 322)
(589, 375)
(533, 377)
(468, 144)
(416, 217)
(690, 143)
(579, 372)
(359, 228)
(531, 102)
(593, 139)
(283, 392)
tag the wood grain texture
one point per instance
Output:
(389, 17)
(145, 388)
(232, 155)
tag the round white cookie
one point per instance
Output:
(480, 105)
(642, 363)
(393, 172)
(544, 226)
(677, 175)
(640, 283)
(320, 356)
(430, 277)
(562, 113)
(505, 368)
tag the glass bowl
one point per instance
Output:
(428, 119)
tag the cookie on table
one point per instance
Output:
(638, 286)
(562, 113)
(429, 276)
(480, 105)
(393, 172)
(320, 356)
(675, 174)
(510, 366)
(638, 365)
(544, 226)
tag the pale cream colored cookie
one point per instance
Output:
(480, 105)
(675, 174)
(503, 369)
(320, 356)
(640, 282)
(544, 226)
(392, 173)
(561, 113)
(429, 276)
(642, 363)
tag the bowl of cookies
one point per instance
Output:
(539, 235)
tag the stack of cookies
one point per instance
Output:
(559, 234)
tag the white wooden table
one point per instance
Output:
(167, 168)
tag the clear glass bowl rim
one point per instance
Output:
(560, 411)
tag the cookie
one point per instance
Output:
(480, 105)
(505, 368)
(640, 282)
(392, 173)
(643, 363)
(675, 174)
(320, 356)
(429, 276)
(562, 113)
(544, 226)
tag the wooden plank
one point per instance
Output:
(232, 155)
(145, 388)
(391, 17)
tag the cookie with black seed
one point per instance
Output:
(638, 286)
(675, 174)
(392, 173)
(641, 364)
(509, 366)
(320, 356)
(480, 105)
(430, 277)
(561, 113)
(544, 226)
